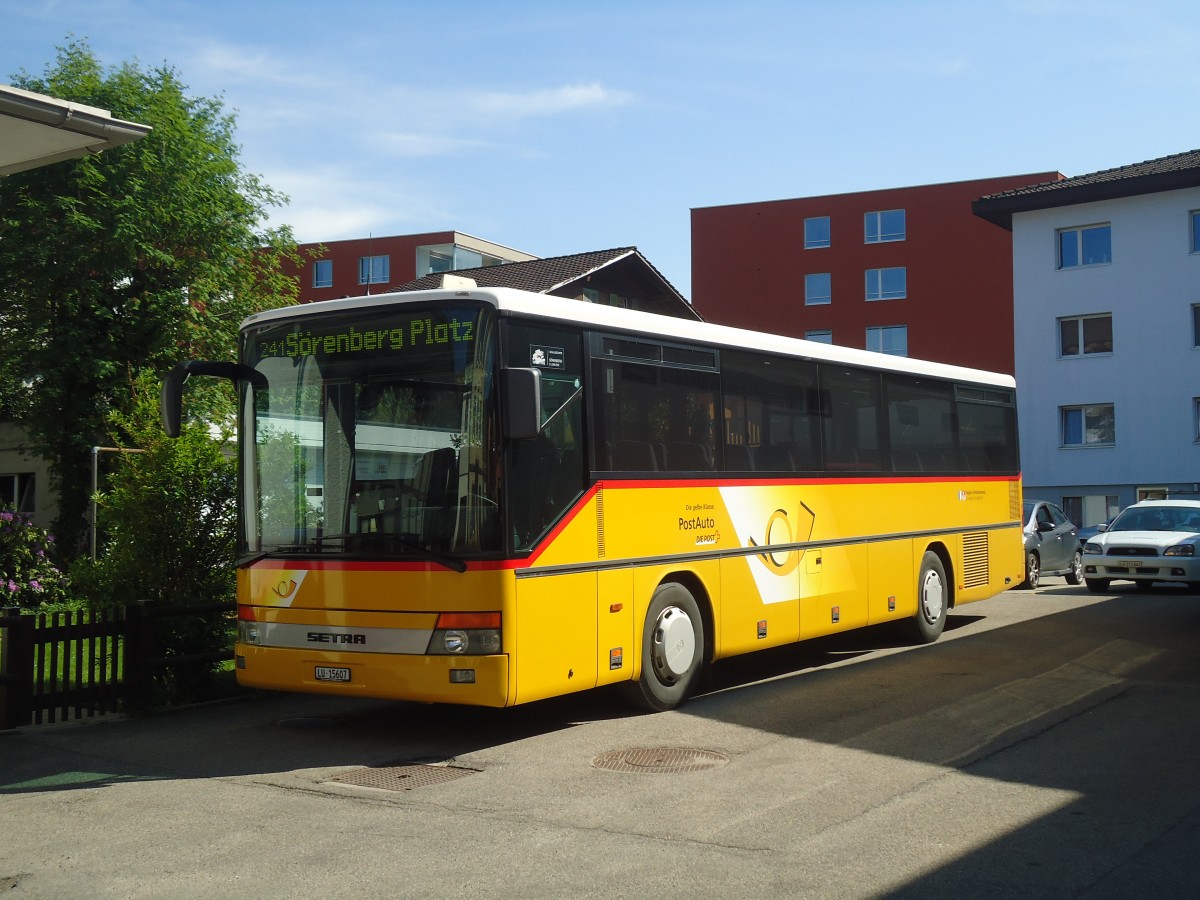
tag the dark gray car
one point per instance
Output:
(1051, 544)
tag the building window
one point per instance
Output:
(887, 284)
(818, 289)
(1194, 217)
(1087, 246)
(820, 335)
(1196, 418)
(322, 273)
(373, 270)
(1088, 426)
(889, 339)
(1083, 335)
(888, 225)
(1196, 324)
(816, 232)
(18, 492)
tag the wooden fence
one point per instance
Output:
(58, 666)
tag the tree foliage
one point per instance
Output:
(168, 512)
(127, 260)
(169, 523)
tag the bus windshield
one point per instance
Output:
(372, 435)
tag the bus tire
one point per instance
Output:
(672, 650)
(933, 600)
(1096, 585)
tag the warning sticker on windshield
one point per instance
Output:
(547, 357)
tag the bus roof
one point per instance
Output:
(633, 322)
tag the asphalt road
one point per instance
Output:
(1047, 746)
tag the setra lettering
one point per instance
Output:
(329, 637)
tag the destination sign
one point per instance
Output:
(421, 332)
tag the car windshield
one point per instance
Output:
(1158, 518)
(372, 435)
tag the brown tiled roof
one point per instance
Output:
(538, 275)
(1167, 173)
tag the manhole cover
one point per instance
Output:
(660, 760)
(401, 778)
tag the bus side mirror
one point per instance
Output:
(170, 397)
(170, 400)
(522, 403)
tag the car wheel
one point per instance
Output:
(1096, 585)
(1075, 576)
(1033, 571)
(672, 650)
(1194, 587)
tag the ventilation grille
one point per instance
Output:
(600, 522)
(975, 559)
(1014, 501)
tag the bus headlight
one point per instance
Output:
(455, 641)
(475, 634)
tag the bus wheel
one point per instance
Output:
(672, 650)
(933, 600)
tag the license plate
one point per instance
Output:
(331, 673)
(1131, 563)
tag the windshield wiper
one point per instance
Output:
(394, 540)
(368, 538)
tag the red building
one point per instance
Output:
(334, 269)
(909, 271)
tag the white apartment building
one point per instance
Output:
(1106, 310)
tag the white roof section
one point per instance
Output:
(649, 325)
(36, 130)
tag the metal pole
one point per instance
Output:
(95, 487)
(96, 482)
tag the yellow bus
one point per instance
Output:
(491, 497)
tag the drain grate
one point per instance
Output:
(660, 760)
(401, 778)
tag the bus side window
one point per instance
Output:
(771, 415)
(852, 423)
(656, 418)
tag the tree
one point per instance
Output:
(127, 260)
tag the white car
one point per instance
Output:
(1155, 540)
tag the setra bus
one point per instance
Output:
(488, 496)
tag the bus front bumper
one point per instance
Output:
(469, 680)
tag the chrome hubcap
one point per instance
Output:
(674, 645)
(933, 596)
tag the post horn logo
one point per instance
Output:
(779, 533)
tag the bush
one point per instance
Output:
(28, 576)
(168, 524)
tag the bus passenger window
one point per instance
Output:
(655, 418)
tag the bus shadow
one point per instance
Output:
(818, 653)
(876, 677)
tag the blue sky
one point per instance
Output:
(561, 127)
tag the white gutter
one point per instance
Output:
(36, 130)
